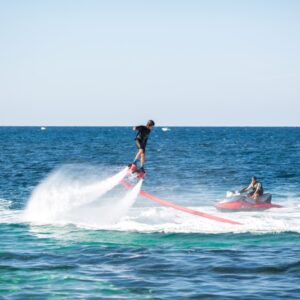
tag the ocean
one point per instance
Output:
(68, 230)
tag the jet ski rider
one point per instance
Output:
(255, 188)
(141, 139)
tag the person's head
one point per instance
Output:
(254, 179)
(150, 124)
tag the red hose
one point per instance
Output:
(179, 207)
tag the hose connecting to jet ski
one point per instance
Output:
(179, 207)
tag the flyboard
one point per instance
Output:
(133, 169)
(156, 199)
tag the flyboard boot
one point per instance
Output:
(139, 172)
(132, 168)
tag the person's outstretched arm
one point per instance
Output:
(246, 189)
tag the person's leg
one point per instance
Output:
(256, 197)
(142, 158)
(140, 149)
(258, 194)
(138, 155)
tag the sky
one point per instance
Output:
(120, 63)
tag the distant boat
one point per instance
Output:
(165, 129)
(43, 128)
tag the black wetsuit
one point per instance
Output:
(142, 137)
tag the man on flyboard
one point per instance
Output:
(141, 139)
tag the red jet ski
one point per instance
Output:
(243, 202)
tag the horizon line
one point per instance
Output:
(162, 126)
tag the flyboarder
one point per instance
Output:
(141, 139)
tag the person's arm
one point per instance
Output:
(246, 189)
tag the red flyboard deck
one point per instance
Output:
(179, 207)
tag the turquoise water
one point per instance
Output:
(103, 249)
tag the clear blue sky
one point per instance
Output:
(206, 63)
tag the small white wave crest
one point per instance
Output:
(7, 215)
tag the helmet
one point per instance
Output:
(150, 123)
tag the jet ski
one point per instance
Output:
(236, 201)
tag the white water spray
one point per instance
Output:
(63, 197)
(105, 213)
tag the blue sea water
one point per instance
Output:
(105, 250)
